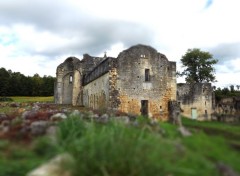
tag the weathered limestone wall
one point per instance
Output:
(67, 88)
(77, 88)
(172, 79)
(96, 93)
(58, 88)
(64, 84)
(195, 100)
(139, 81)
(114, 97)
(133, 87)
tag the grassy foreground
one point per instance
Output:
(118, 149)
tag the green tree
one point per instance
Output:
(198, 66)
(232, 88)
(47, 85)
(238, 86)
(4, 77)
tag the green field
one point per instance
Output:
(26, 99)
(5, 106)
(32, 99)
(138, 149)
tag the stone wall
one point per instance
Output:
(77, 98)
(133, 66)
(139, 81)
(228, 106)
(195, 100)
(96, 93)
(102, 68)
(64, 84)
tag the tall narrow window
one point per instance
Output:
(147, 74)
(70, 79)
(144, 107)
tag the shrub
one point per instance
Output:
(3, 99)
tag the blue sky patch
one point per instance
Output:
(208, 3)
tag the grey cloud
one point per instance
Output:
(45, 13)
(100, 36)
(65, 21)
(226, 52)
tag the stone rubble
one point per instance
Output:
(55, 167)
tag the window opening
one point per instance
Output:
(70, 79)
(144, 107)
(147, 74)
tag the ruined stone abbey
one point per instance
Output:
(140, 81)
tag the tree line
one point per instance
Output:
(17, 84)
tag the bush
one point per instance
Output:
(2, 99)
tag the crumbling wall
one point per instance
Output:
(70, 78)
(228, 106)
(143, 74)
(195, 100)
(64, 84)
(77, 98)
(139, 81)
(88, 63)
(114, 97)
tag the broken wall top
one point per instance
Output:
(68, 64)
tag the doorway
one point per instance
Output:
(144, 107)
(194, 113)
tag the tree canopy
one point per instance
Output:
(16, 84)
(198, 66)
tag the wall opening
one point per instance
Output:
(147, 75)
(206, 114)
(144, 107)
(70, 79)
(194, 113)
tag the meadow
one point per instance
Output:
(137, 148)
(118, 149)
(26, 99)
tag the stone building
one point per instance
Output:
(197, 100)
(139, 81)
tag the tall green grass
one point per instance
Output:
(116, 149)
(17, 159)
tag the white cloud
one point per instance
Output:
(42, 34)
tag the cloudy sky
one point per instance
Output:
(38, 35)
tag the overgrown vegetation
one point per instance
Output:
(16, 84)
(227, 92)
(138, 148)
